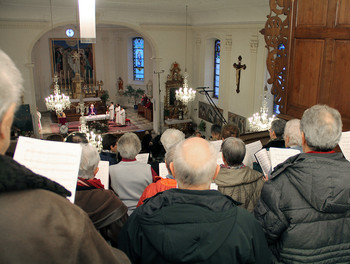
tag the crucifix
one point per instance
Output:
(238, 68)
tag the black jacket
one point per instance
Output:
(305, 209)
(186, 226)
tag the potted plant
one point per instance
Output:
(134, 94)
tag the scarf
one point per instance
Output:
(95, 183)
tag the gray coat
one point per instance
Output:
(305, 209)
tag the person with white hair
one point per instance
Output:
(171, 137)
(235, 179)
(304, 208)
(292, 134)
(38, 224)
(276, 134)
(130, 177)
(192, 224)
(105, 209)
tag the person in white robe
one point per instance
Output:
(122, 116)
(111, 111)
(117, 111)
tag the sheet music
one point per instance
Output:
(58, 161)
(216, 144)
(103, 173)
(163, 171)
(143, 158)
(344, 144)
(213, 186)
(280, 155)
(253, 148)
(262, 156)
(219, 159)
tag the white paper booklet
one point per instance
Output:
(58, 161)
(344, 144)
(253, 148)
(263, 158)
(280, 155)
(103, 173)
(219, 159)
(143, 158)
(217, 144)
(163, 171)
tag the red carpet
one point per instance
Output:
(112, 127)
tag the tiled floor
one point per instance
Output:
(139, 121)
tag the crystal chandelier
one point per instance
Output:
(95, 140)
(57, 102)
(260, 121)
(185, 94)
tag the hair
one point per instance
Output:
(195, 170)
(170, 137)
(277, 126)
(88, 162)
(76, 137)
(129, 145)
(169, 157)
(233, 150)
(109, 141)
(292, 130)
(230, 130)
(55, 137)
(322, 127)
(215, 129)
(11, 87)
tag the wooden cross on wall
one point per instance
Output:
(238, 68)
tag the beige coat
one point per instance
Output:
(243, 185)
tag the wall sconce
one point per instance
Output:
(87, 19)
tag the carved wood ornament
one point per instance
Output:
(276, 34)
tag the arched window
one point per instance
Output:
(216, 68)
(138, 59)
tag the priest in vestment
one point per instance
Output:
(117, 111)
(122, 116)
(111, 111)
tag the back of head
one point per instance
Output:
(109, 141)
(194, 162)
(88, 162)
(10, 83)
(129, 145)
(215, 131)
(278, 127)
(76, 137)
(55, 137)
(170, 137)
(292, 131)
(230, 130)
(322, 127)
(233, 150)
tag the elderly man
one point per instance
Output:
(130, 177)
(235, 179)
(276, 134)
(292, 134)
(171, 137)
(304, 209)
(193, 224)
(38, 224)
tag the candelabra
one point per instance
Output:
(95, 140)
(185, 94)
(57, 102)
(260, 121)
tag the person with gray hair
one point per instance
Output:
(130, 177)
(171, 137)
(304, 208)
(235, 179)
(292, 134)
(192, 224)
(34, 209)
(276, 134)
(161, 184)
(105, 209)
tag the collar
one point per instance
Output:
(96, 183)
(234, 168)
(128, 160)
(318, 152)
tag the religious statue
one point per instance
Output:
(120, 85)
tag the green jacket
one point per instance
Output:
(187, 226)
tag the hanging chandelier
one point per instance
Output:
(185, 94)
(260, 121)
(57, 102)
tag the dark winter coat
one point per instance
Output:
(305, 209)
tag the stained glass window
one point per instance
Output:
(216, 68)
(138, 59)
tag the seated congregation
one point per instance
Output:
(299, 213)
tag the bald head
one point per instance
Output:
(194, 163)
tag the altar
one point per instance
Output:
(104, 117)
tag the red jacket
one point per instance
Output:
(159, 185)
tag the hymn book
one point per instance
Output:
(57, 161)
(103, 173)
(344, 144)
